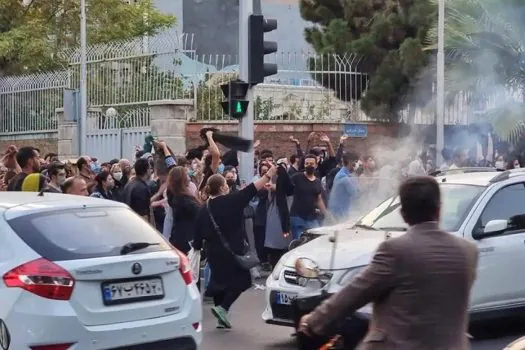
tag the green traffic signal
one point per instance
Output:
(237, 109)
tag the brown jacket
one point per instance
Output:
(419, 285)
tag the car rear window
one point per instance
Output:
(85, 233)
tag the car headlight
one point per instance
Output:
(278, 268)
(349, 275)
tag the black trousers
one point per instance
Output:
(274, 255)
(260, 234)
(226, 298)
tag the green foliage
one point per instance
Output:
(33, 36)
(387, 34)
(484, 54)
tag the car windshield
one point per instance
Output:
(456, 201)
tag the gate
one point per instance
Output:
(115, 143)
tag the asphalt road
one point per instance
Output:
(249, 332)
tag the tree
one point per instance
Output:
(34, 32)
(485, 60)
(387, 34)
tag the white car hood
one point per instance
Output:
(355, 247)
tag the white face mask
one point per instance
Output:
(499, 164)
(117, 176)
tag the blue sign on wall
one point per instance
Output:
(355, 130)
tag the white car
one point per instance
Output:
(81, 273)
(476, 206)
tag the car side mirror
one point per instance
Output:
(492, 228)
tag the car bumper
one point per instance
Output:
(279, 314)
(30, 325)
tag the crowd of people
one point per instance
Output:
(197, 200)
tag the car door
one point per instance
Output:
(501, 265)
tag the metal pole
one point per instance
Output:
(83, 79)
(440, 100)
(246, 125)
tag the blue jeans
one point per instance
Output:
(298, 225)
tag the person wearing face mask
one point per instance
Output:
(307, 193)
(57, 177)
(500, 163)
(231, 178)
(118, 189)
(104, 185)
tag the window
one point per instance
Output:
(507, 202)
(456, 203)
(85, 233)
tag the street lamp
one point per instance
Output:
(440, 98)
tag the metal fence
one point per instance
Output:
(124, 77)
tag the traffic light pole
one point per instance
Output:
(246, 124)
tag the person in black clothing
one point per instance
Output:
(104, 185)
(28, 160)
(307, 198)
(118, 189)
(228, 279)
(184, 206)
(137, 192)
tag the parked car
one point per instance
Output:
(518, 344)
(85, 273)
(477, 206)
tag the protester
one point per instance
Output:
(184, 206)
(57, 177)
(228, 278)
(27, 159)
(345, 188)
(104, 185)
(75, 185)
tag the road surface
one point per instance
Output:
(249, 332)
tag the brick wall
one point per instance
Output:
(276, 136)
(45, 144)
(272, 136)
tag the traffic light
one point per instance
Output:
(234, 92)
(257, 48)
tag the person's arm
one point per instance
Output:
(375, 280)
(168, 223)
(341, 149)
(169, 159)
(244, 196)
(214, 151)
(320, 204)
(324, 138)
(298, 148)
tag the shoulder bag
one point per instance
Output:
(247, 260)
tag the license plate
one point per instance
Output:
(131, 291)
(284, 298)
